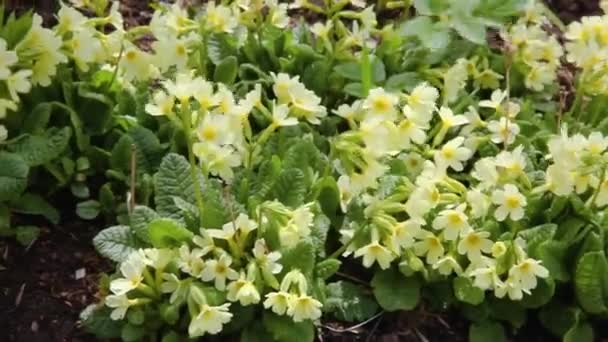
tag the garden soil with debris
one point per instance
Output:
(44, 288)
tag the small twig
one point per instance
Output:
(374, 328)
(354, 327)
(20, 295)
(352, 278)
(421, 336)
(133, 177)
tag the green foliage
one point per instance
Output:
(405, 296)
(349, 302)
(116, 243)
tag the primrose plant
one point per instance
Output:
(426, 175)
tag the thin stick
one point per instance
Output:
(359, 325)
(133, 177)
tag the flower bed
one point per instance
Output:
(263, 175)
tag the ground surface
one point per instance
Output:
(40, 297)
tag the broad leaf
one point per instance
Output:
(173, 180)
(33, 204)
(466, 292)
(487, 331)
(395, 292)
(284, 329)
(116, 243)
(40, 149)
(588, 282)
(167, 233)
(349, 302)
(140, 218)
(13, 176)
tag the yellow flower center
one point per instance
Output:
(381, 104)
(448, 152)
(473, 240)
(454, 218)
(131, 55)
(209, 133)
(180, 50)
(512, 201)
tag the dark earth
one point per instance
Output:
(40, 297)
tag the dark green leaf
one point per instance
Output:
(284, 329)
(33, 204)
(226, 70)
(487, 331)
(395, 292)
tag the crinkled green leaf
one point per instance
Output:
(116, 243)
(349, 302)
(327, 268)
(588, 282)
(301, 256)
(40, 149)
(173, 180)
(13, 176)
(291, 188)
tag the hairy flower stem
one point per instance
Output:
(187, 126)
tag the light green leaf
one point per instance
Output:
(588, 282)
(395, 292)
(88, 210)
(140, 218)
(349, 302)
(301, 256)
(166, 233)
(466, 292)
(487, 331)
(470, 28)
(327, 268)
(116, 243)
